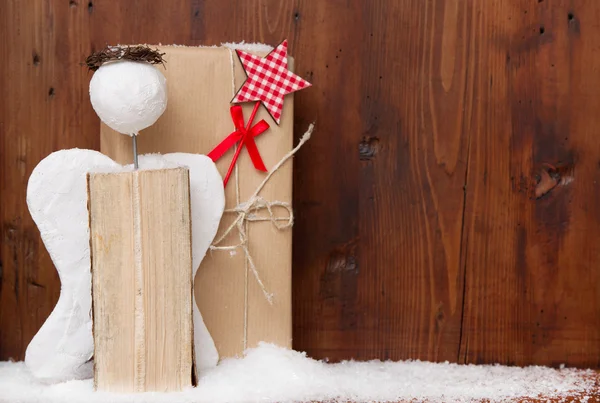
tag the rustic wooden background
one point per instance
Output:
(448, 208)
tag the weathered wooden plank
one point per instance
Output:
(377, 243)
(44, 108)
(532, 284)
(140, 233)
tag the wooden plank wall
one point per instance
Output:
(448, 205)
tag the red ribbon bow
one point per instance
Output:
(245, 135)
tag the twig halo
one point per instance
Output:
(139, 53)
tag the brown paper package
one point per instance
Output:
(200, 85)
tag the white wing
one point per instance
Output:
(57, 201)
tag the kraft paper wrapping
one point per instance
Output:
(200, 86)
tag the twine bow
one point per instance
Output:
(247, 212)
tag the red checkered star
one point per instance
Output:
(269, 80)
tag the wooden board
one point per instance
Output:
(45, 107)
(532, 289)
(140, 232)
(423, 110)
(377, 242)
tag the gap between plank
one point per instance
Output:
(464, 246)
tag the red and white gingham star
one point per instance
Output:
(269, 80)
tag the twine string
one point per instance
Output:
(247, 212)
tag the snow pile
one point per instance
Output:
(254, 47)
(272, 374)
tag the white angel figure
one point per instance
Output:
(128, 95)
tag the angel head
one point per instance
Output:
(127, 91)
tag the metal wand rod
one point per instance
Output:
(135, 153)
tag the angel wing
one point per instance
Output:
(57, 200)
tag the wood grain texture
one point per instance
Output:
(44, 107)
(377, 242)
(418, 234)
(532, 284)
(140, 232)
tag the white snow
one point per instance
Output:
(255, 47)
(273, 374)
(248, 47)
